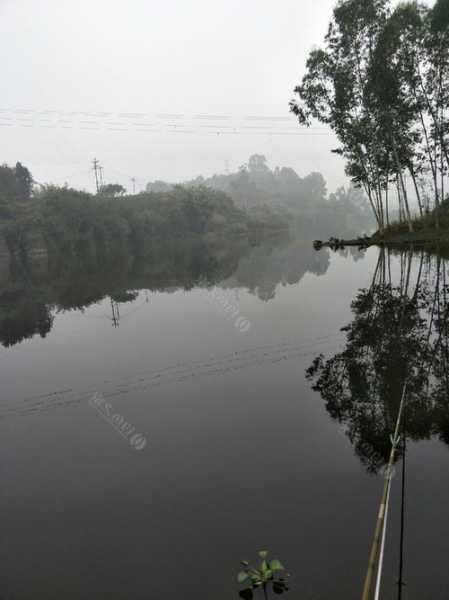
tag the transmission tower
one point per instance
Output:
(96, 169)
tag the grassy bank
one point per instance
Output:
(432, 228)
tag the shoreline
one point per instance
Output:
(424, 238)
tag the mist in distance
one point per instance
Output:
(140, 88)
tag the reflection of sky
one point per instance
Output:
(265, 268)
(26, 310)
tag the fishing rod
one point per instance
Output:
(401, 583)
(377, 549)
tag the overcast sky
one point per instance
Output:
(169, 89)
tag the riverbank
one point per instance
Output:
(427, 238)
(419, 237)
(428, 230)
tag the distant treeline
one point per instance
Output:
(253, 202)
(304, 199)
(65, 220)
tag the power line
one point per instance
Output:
(91, 119)
(266, 128)
(215, 131)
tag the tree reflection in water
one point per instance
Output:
(399, 334)
(32, 291)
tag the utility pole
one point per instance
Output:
(96, 169)
(115, 313)
(101, 176)
(133, 179)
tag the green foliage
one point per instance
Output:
(274, 197)
(24, 182)
(433, 225)
(440, 16)
(255, 185)
(112, 189)
(381, 82)
(263, 576)
(161, 186)
(276, 565)
(15, 184)
(76, 223)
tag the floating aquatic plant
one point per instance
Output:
(266, 576)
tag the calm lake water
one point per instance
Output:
(203, 350)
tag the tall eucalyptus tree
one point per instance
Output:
(381, 82)
(333, 91)
(437, 83)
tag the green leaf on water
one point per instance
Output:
(276, 565)
(242, 577)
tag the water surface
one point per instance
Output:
(203, 350)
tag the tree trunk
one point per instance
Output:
(404, 191)
(370, 198)
(418, 195)
(398, 191)
(386, 205)
(432, 162)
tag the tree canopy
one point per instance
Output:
(381, 82)
(16, 183)
(304, 200)
(112, 189)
